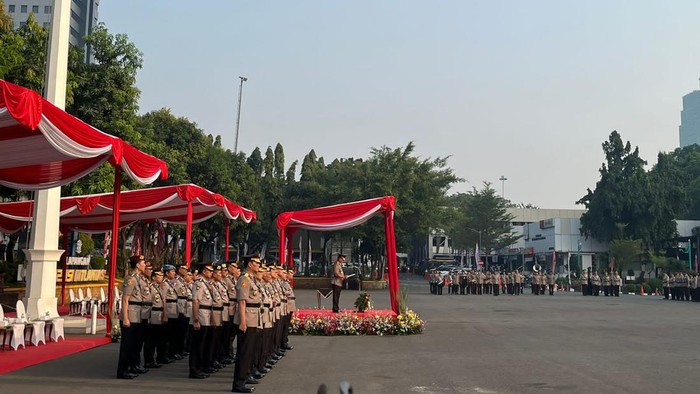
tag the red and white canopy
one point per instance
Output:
(42, 146)
(336, 217)
(340, 217)
(93, 213)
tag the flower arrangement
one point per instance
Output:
(116, 328)
(363, 302)
(407, 323)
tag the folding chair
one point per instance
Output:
(103, 302)
(34, 329)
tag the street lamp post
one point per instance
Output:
(238, 118)
(503, 180)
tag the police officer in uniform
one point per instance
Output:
(183, 318)
(146, 304)
(157, 323)
(201, 323)
(130, 317)
(287, 276)
(551, 281)
(666, 280)
(248, 320)
(170, 291)
(219, 304)
(234, 272)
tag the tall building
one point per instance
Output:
(689, 130)
(83, 17)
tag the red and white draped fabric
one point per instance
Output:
(44, 147)
(340, 217)
(93, 213)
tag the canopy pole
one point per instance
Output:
(282, 246)
(290, 255)
(116, 206)
(64, 259)
(290, 250)
(188, 235)
(391, 260)
(228, 229)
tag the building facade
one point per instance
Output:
(83, 17)
(689, 130)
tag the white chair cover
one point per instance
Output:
(18, 326)
(83, 302)
(36, 334)
(57, 331)
(54, 325)
(102, 303)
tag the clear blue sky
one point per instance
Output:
(525, 89)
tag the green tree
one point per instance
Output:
(625, 252)
(482, 211)
(627, 194)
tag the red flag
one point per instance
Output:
(612, 264)
(554, 260)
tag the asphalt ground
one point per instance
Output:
(471, 344)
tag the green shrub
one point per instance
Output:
(655, 284)
(98, 262)
(631, 288)
(88, 245)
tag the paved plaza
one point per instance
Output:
(472, 344)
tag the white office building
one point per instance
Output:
(83, 17)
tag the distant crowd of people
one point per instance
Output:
(592, 283)
(489, 282)
(681, 286)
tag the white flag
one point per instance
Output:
(477, 257)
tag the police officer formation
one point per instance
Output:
(681, 286)
(489, 282)
(173, 313)
(592, 283)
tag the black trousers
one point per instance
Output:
(667, 292)
(616, 290)
(172, 331)
(183, 335)
(213, 345)
(336, 297)
(278, 334)
(245, 349)
(127, 348)
(285, 329)
(226, 349)
(495, 289)
(265, 348)
(155, 343)
(551, 289)
(198, 349)
(140, 340)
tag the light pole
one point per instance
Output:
(238, 118)
(503, 180)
